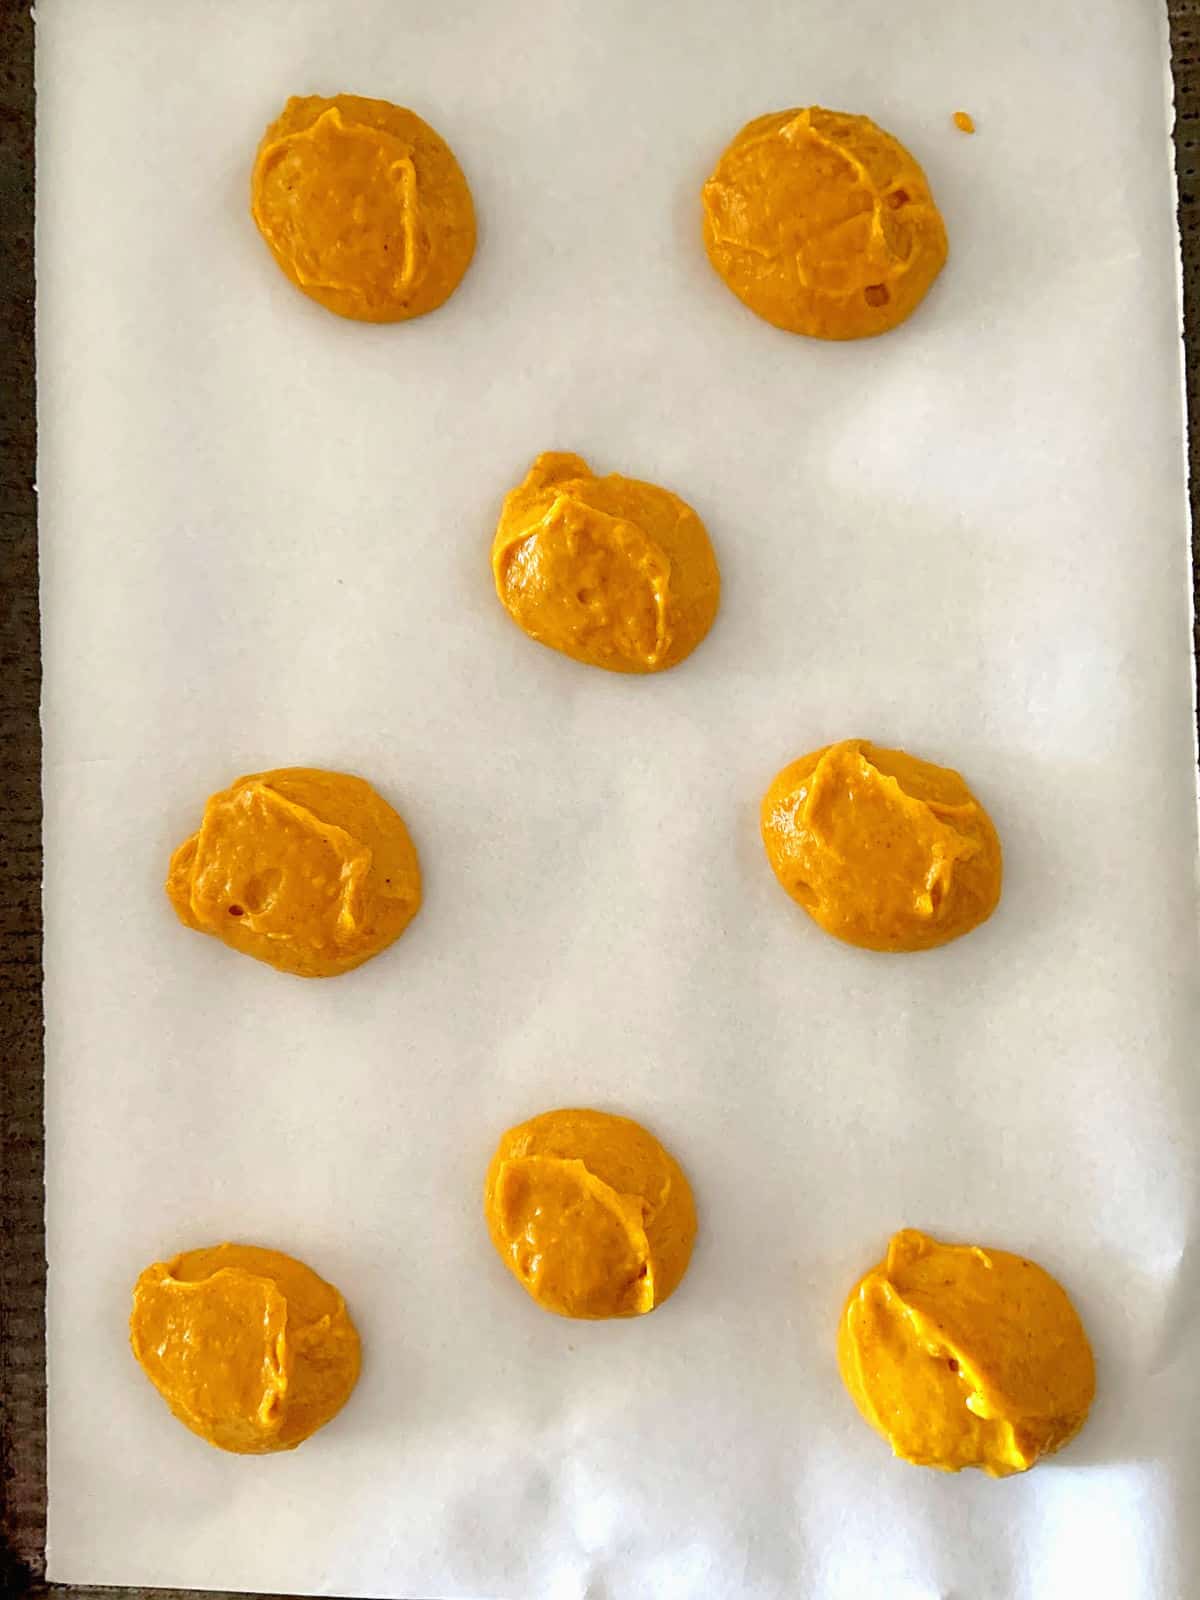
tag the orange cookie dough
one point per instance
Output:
(309, 871)
(882, 849)
(249, 1348)
(612, 572)
(965, 1357)
(363, 206)
(823, 224)
(590, 1214)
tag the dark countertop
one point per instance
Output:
(22, 1261)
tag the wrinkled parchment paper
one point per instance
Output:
(265, 541)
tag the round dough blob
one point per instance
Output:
(610, 571)
(363, 206)
(590, 1214)
(248, 1347)
(823, 224)
(309, 871)
(882, 849)
(965, 1357)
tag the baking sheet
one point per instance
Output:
(264, 540)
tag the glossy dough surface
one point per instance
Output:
(610, 571)
(965, 1357)
(309, 871)
(249, 1348)
(363, 206)
(590, 1214)
(823, 224)
(882, 849)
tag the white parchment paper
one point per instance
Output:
(265, 539)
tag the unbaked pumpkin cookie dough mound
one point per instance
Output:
(882, 849)
(309, 871)
(823, 224)
(610, 571)
(364, 207)
(590, 1214)
(249, 1347)
(962, 1356)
